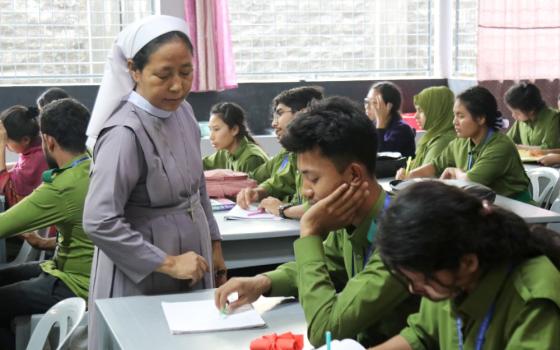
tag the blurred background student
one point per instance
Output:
(236, 149)
(49, 96)
(434, 113)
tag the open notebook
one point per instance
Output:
(202, 316)
(238, 213)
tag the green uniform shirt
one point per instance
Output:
(544, 131)
(338, 293)
(526, 316)
(496, 163)
(433, 149)
(246, 158)
(285, 183)
(271, 166)
(60, 203)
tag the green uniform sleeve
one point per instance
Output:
(538, 327)
(367, 298)
(493, 162)
(251, 163)
(282, 184)
(283, 280)
(263, 171)
(436, 148)
(551, 137)
(216, 160)
(422, 330)
(513, 133)
(445, 160)
(42, 208)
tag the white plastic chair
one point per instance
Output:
(67, 314)
(544, 185)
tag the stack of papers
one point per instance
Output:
(220, 204)
(238, 213)
(202, 316)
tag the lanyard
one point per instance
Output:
(371, 233)
(78, 161)
(480, 338)
(470, 161)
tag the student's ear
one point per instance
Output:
(235, 130)
(469, 263)
(356, 173)
(481, 121)
(26, 141)
(389, 106)
(49, 142)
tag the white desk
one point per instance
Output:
(530, 213)
(248, 243)
(138, 323)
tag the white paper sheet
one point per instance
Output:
(237, 213)
(202, 316)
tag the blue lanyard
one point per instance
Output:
(371, 233)
(480, 338)
(470, 161)
(77, 161)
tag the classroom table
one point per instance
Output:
(139, 323)
(530, 213)
(247, 243)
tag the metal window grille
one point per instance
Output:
(464, 38)
(331, 39)
(61, 41)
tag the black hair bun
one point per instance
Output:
(32, 112)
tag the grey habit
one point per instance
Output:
(147, 199)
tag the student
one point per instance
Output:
(337, 275)
(230, 136)
(484, 275)
(383, 103)
(32, 288)
(147, 209)
(434, 113)
(50, 95)
(278, 192)
(19, 133)
(536, 126)
(480, 153)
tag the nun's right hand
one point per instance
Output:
(185, 266)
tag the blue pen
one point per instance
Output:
(328, 339)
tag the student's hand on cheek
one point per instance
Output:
(271, 205)
(335, 211)
(382, 112)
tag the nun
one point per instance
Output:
(147, 210)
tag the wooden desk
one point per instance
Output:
(139, 323)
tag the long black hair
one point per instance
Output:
(233, 115)
(20, 122)
(390, 93)
(480, 103)
(430, 226)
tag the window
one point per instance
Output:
(61, 41)
(331, 39)
(464, 38)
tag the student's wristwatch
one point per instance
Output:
(282, 209)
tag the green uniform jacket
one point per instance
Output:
(271, 166)
(246, 158)
(496, 163)
(60, 203)
(527, 313)
(285, 183)
(433, 149)
(338, 293)
(544, 131)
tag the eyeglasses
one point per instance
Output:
(279, 112)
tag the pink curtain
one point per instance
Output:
(209, 31)
(518, 39)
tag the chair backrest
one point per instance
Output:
(67, 314)
(544, 185)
